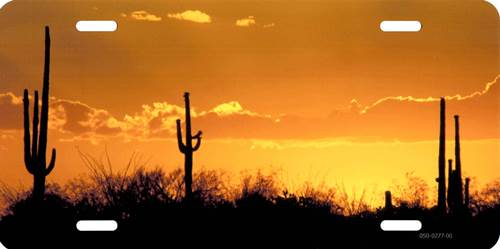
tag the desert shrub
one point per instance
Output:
(261, 184)
(412, 194)
(210, 187)
(486, 198)
(320, 196)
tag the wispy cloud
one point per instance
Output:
(246, 22)
(142, 15)
(300, 144)
(192, 16)
(269, 25)
(431, 99)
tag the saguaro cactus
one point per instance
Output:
(456, 192)
(34, 153)
(441, 158)
(458, 163)
(466, 193)
(187, 148)
(451, 196)
(388, 200)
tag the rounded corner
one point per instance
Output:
(4, 3)
(495, 4)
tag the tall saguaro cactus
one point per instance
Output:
(187, 148)
(458, 162)
(458, 195)
(455, 196)
(441, 160)
(34, 152)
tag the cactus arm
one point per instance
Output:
(182, 147)
(198, 140)
(34, 146)
(197, 135)
(52, 162)
(27, 153)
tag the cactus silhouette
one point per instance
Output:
(34, 152)
(187, 148)
(388, 200)
(457, 195)
(466, 193)
(451, 198)
(458, 163)
(441, 160)
(454, 195)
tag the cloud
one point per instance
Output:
(432, 99)
(153, 121)
(74, 117)
(82, 122)
(301, 144)
(75, 120)
(269, 25)
(387, 120)
(65, 116)
(283, 144)
(10, 108)
(192, 16)
(231, 108)
(143, 15)
(246, 22)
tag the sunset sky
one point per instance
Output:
(312, 88)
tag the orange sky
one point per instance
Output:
(311, 88)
